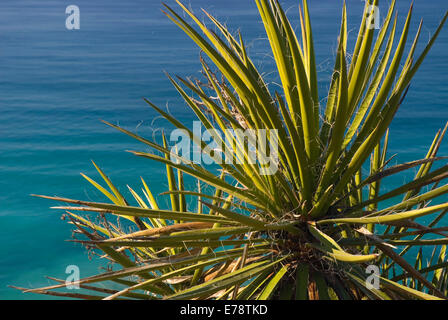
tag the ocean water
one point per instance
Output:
(57, 84)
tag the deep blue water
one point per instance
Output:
(56, 84)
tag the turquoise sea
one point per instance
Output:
(56, 84)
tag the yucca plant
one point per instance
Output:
(312, 228)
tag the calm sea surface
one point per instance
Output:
(57, 84)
